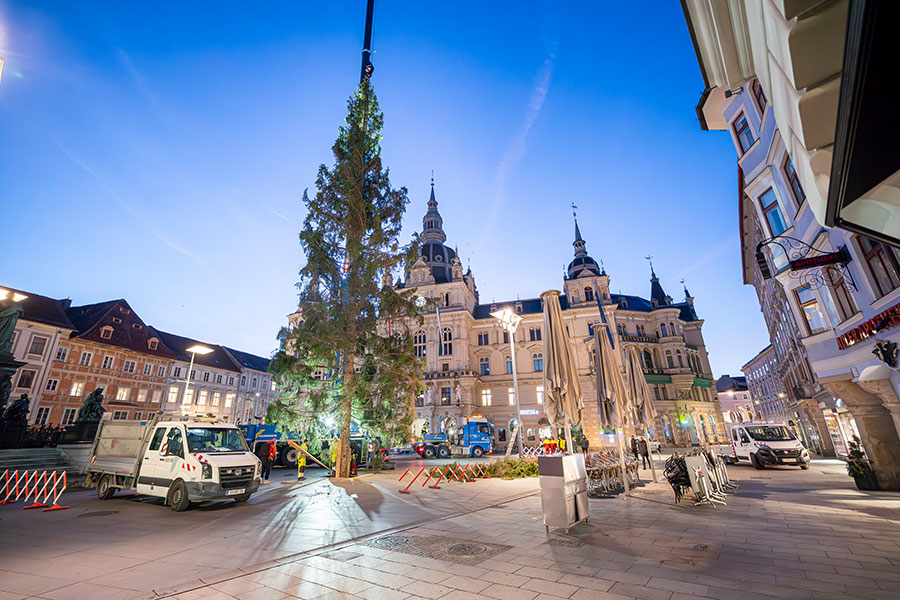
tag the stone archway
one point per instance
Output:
(420, 427)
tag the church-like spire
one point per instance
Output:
(687, 294)
(432, 223)
(580, 248)
(656, 291)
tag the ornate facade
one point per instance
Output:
(469, 367)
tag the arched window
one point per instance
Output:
(419, 343)
(538, 360)
(669, 360)
(672, 329)
(588, 294)
(447, 299)
(446, 346)
(662, 329)
(575, 297)
(529, 434)
(508, 366)
(680, 361)
(484, 366)
(647, 359)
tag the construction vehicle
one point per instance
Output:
(180, 459)
(474, 437)
(255, 433)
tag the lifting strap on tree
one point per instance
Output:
(297, 447)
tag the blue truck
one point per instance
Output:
(255, 433)
(473, 438)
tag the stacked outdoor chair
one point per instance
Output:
(604, 471)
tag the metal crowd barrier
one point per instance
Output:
(462, 473)
(33, 485)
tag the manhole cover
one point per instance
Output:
(99, 513)
(390, 541)
(466, 549)
(698, 547)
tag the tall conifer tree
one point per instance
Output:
(351, 355)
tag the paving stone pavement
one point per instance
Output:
(785, 534)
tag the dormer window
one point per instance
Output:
(124, 310)
(137, 325)
(518, 308)
(623, 303)
(116, 320)
(106, 332)
(153, 343)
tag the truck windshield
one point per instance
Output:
(770, 433)
(215, 439)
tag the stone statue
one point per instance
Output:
(92, 410)
(458, 393)
(5, 389)
(429, 396)
(17, 411)
(8, 319)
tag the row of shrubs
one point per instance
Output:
(509, 468)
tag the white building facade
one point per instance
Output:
(836, 304)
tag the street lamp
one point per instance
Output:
(194, 350)
(509, 321)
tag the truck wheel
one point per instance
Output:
(289, 457)
(804, 466)
(178, 497)
(477, 451)
(429, 452)
(755, 462)
(105, 490)
(444, 452)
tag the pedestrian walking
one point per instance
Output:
(265, 452)
(644, 451)
(585, 444)
(634, 448)
(301, 462)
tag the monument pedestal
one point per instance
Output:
(80, 431)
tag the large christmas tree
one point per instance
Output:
(351, 353)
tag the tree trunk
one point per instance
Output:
(344, 457)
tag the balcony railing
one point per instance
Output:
(431, 375)
(644, 339)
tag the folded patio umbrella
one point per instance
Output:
(562, 389)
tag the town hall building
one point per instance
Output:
(469, 368)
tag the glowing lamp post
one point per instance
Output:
(194, 350)
(509, 321)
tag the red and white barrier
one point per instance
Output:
(40, 487)
(461, 472)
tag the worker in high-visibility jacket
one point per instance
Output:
(301, 462)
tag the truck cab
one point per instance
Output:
(183, 461)
(473, 438)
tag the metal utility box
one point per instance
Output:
(564, 496)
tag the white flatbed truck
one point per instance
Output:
(180, 459)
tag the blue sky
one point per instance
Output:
(159, 152)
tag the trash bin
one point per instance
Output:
(564, 498)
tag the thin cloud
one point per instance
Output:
(723, 248)
(140, 83)
(516, 149)
(127, 206)
(276, 213)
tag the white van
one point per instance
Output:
(181, 460)
(764, 444)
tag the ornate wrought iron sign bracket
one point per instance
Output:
(811, 266)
